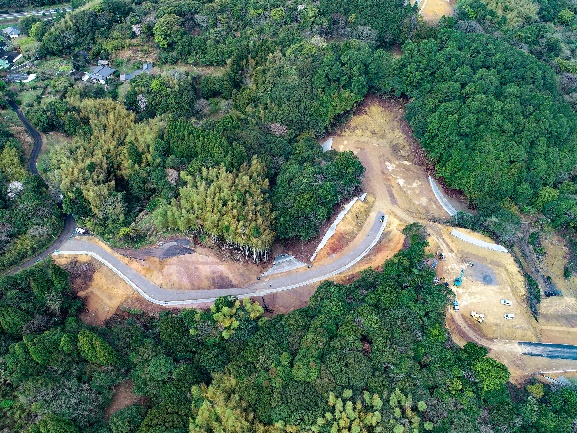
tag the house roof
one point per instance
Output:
(17, 77)
(101, 72)
(11, 31)
(146, 67)
(9, 56)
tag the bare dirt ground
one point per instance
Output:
(121, 398)
(433, 10)
(493, 276)
(203, 268)
(138, 52)
(348, 229)
(557, 314)
(554, 260)
(102, 291)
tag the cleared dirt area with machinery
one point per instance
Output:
(396, 181)
(395, 176)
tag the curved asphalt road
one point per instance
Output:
(35, 135)
(69, 223)
(65, 244)
(158, 295)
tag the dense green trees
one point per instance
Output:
(489, 116)
(93, 171)
(26, 23)
(81, 28)
(229, 205)
(392, 21)
(309, 87)
(29, 217)
(150, 96)
(54, 116)
(307, 191)
(211, 179)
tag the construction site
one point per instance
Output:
(490, 306)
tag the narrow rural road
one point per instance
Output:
(35, 135)
(69, 223)
(65, 244)
(158, 295)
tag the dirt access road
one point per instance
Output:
(396, 177)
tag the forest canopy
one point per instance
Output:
(29, 217)
(490, 117)
(371, 355)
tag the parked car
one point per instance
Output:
(505, 302)
(456, 305)
(509, 316)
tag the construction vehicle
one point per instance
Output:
(479, 317)
(459, 280)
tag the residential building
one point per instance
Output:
(98, 74)
(146, 67)
(12, 32)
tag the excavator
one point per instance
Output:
(459, 280)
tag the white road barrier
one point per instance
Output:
(331, 231)
(445, 204)
(487, 245)
(332, 274)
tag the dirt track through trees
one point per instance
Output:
(378, 134)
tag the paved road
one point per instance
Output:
(69, 223)
(158, 295)
(35, 135)
(552, 351)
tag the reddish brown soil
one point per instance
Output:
(122, 397)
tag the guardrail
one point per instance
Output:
(477, 242)
(241, 295)
(448, 207)
(331, 274)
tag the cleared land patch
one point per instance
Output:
(433, 10)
